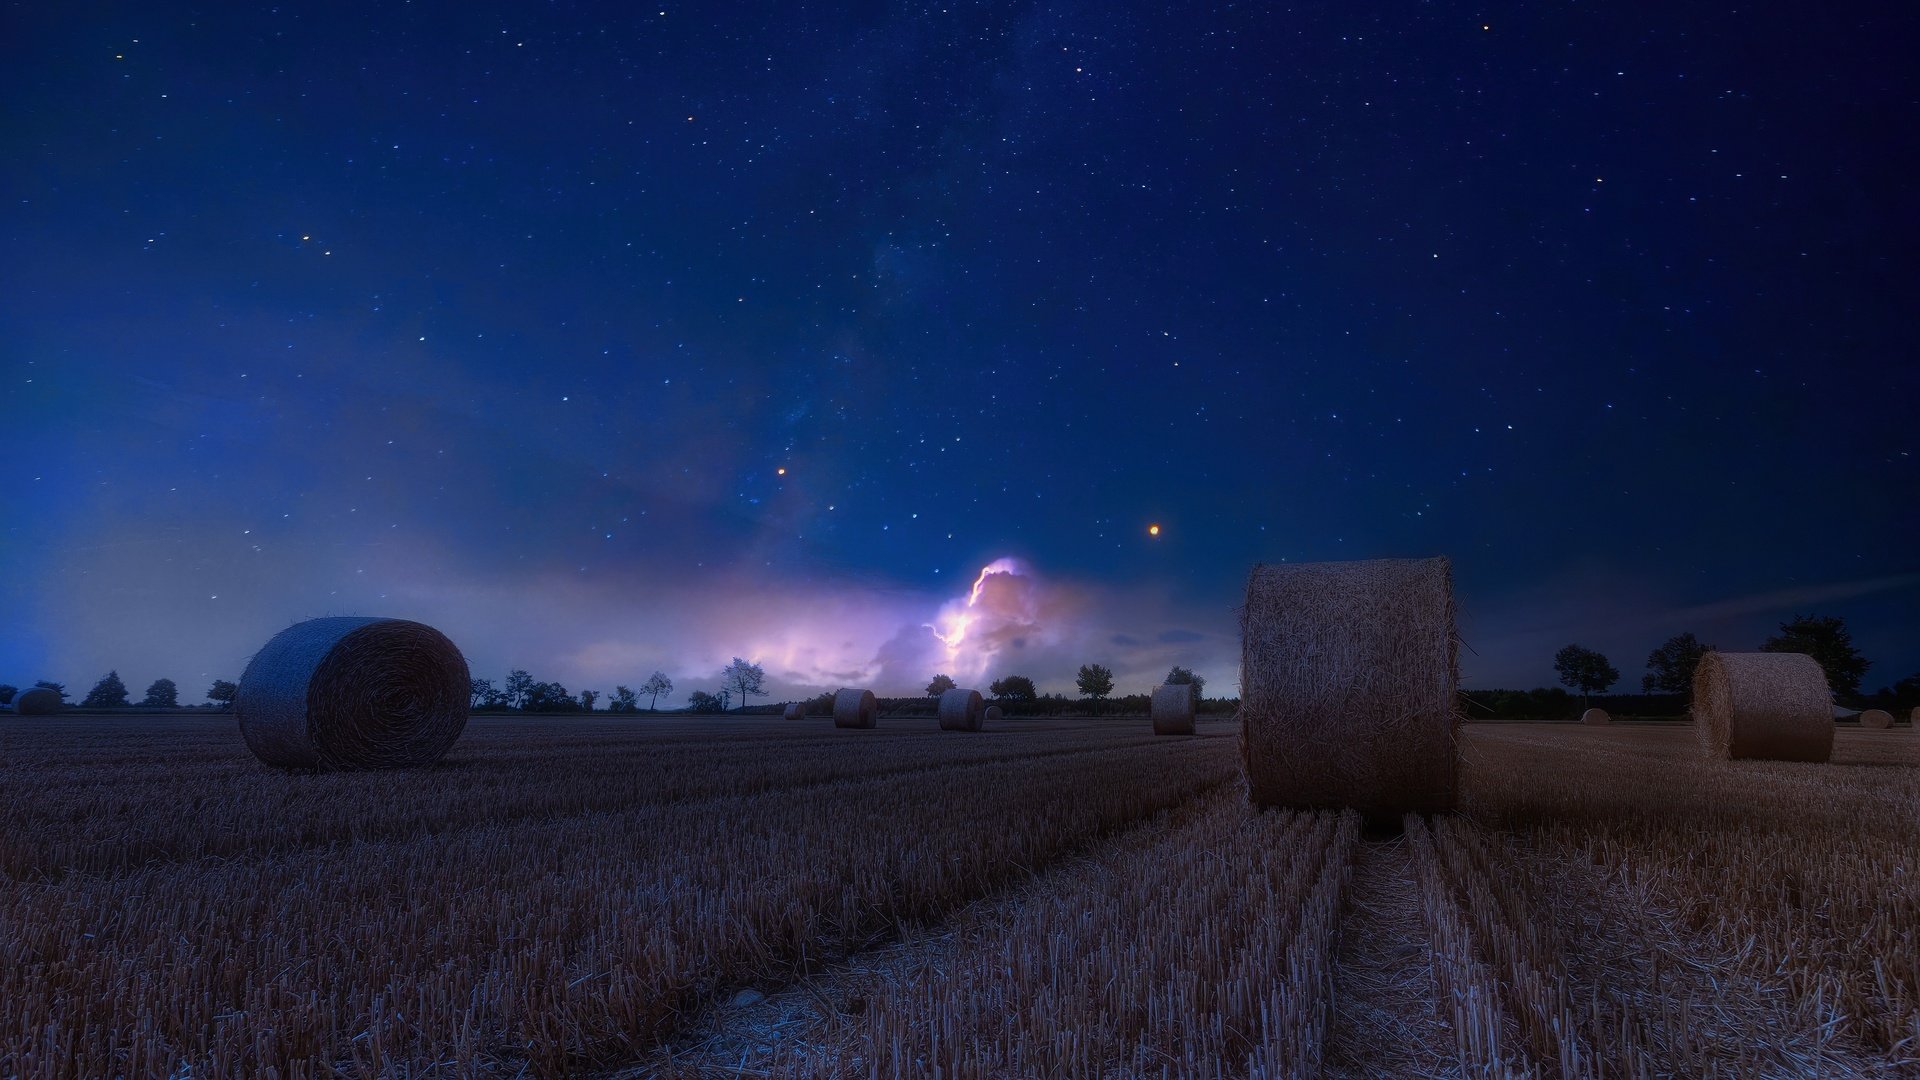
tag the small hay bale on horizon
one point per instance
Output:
(1876, 718)
(855, 709)
(1349, 686)
(962, 710)
(1596, 717)
(992, 717)
(36, 701)
(1763, 705)
(794, 711)
(353, 693)
(1172, 709)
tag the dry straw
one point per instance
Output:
(962, 710)
(1876, 718)
(1773, 706)
(36, 701)
(353, 693)
(1595, 717)
(1348, 678)
(855, 709)
(794, 711)
(992, 717)
(1172, 709)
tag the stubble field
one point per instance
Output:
(754, 897)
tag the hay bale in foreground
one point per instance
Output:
(1348, 686)
(992, 717)
(855, 709)
(1770, 706)
(353, 693)
(1172, 709)
(1876, 718)
(794, 711)
(36, 701)
(1596, 717)
(962, 710)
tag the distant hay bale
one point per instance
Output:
(794, 711)
(855, 709)
(1771, 706)
(353, 693)
(1914, 716)
(1595, 717)
(962, 710)
(36, 701)
(1876, 718)
(992, 717)
(1349, 681)
(1172, 709)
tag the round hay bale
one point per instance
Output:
(1595, 717)
(353, 693)
(794, 711)
(1914, 716)
(1771, 706)
(991, 718)
(36, 701)
(1172, 709)
(962, 710)
(1876, 718)
(855, 709)
(1348, 686)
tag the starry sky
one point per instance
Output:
(609, 338)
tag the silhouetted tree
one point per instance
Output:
(161, 695)
(519, 685)
(1181, 675)
(481, 692)
(1095, 681)
(940, 685)
(58, 688)
(702, 702)
(108, 693)
(7, 690)
(222, 693)
(656, 684)
(1015, 688)
(743, 677)
(587, 698)
(1827, 640)
(1585, 670)
(1670, 667)
(550, 697)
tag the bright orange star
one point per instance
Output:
(1153, 530)
(781, 471)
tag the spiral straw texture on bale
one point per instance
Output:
(1172, 709)
(353, 693)
(1876, 718)
(1772, 706)
(36, 701)
(1349, 680)
(1595, 717)
(855, 709)
(962, 710)
(794, 711)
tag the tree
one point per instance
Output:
(106, 694)
(587, 698)
(702, 702)
(1095, 682)
(656, 685)
(1017, 688)
(1670, 667)
(940, 685)
(161, 695)
(1181, 675)
(7, 690)
(480, 692)
(744, 677)
(1584, 670)
(222, 693)
(550, 697)
(58, 688)
(1827, 640)
(519, 684)
(623, 701)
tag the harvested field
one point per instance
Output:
(593, 896)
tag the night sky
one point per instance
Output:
(508, 317)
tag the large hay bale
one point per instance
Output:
(1348, 686)
(992, 717)
(962, 710)
(1914, 716)
(1596, 717)
(1876, 718)
(353, 693)
(855, 709)
(1773, 706)
(36, 701)
(1172, 709)
(794, 711)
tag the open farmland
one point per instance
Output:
(1048, 899)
